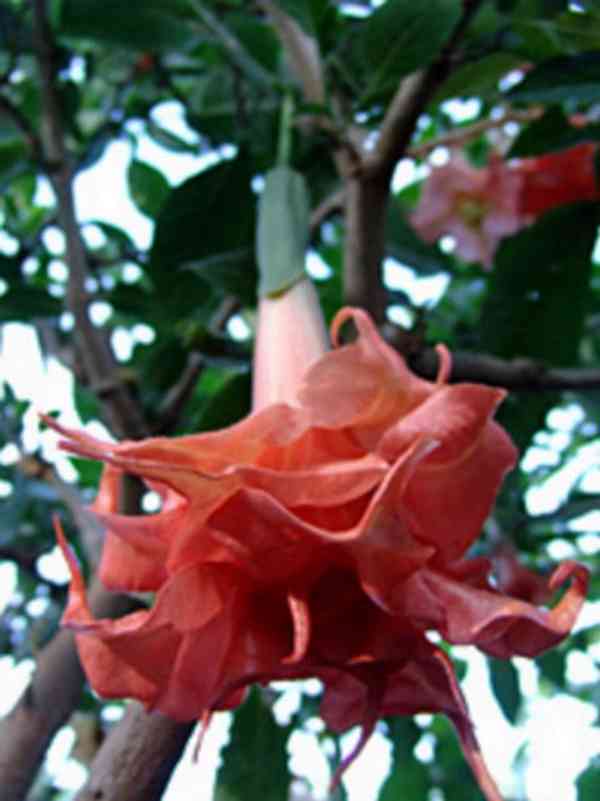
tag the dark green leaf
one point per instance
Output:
(536, 303)
(148, 187)
(588, 783)
(139, 24)
(408, 778)
(306, 12)
(401, 36)
(551, 132)
(505, 684)
(565, 78)
(255, 763)
(479, 78)
(539, 290)
(209, 214)
(552, 666)
(230, 273)
(230, 403)
(26, 303)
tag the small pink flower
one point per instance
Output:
(478, 207)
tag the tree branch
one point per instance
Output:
(136, 760)
(238, 54)
(516, 375)
(123, 413)
(48, 701)
(302, 51)
(410, 102)
(461, 136)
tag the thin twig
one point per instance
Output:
(467, 133)
(123, 413)
(302, 51)
(331, 205)
(236, 51)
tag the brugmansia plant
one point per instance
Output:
(346, 490)
(322, 536)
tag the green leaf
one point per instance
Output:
(537, 299)
(408, 778)
(139, 24)
(255, 763)
(562, 79)
(588, 782)
(230, 403)
(539, 290)
(402, 36)
(307, 12)
(550, 133)
(209, 214)
(283, 228)
(479, 78)
(148, 187)
(505, 684)
(552, 666)
(26, 302)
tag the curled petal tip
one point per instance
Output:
(444, 365)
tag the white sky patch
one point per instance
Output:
(566, 724)
(406, 173)
(195, 780)
(422, 290)
(400, 315)
(101, 193)
(238, 328)
(462, 110)
(14, 678)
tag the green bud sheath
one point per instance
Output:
(282, 234)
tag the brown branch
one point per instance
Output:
(136, 760)
(411, 100)
(302, 51)
(123, 413)
(331, 205)
(174, 402)
(516, 375)
(32, 140)
(48, 702)
(367, 191)
(461, 136)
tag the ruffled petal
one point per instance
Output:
(276, 544)
(449, 506)
(499, 625)
(363, 386)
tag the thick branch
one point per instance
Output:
(123, 413)
(367, 190)
(136, 760)
(366, 203)
(48, 702)
(517, 375)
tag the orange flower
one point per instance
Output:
(558, 178)
(320, 536)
